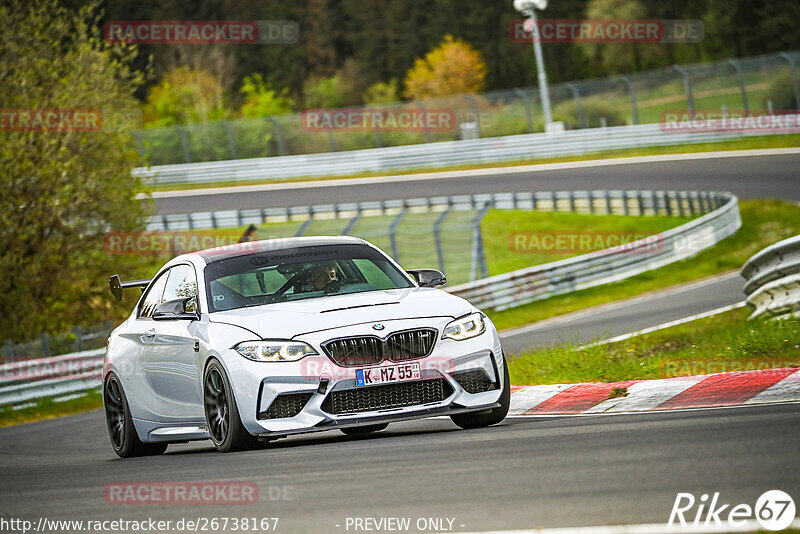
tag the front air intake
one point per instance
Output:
(384, 397)
(372, 350)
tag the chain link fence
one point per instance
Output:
(754, 83)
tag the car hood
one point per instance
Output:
(286, 320)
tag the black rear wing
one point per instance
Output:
(116, 286)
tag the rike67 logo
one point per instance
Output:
(774, 510)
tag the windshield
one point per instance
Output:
(299, 273)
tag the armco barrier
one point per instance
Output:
(433, 155)
(773, 279)
(33, 379)
(580, 272)
(26, 381)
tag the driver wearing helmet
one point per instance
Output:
(323, 277)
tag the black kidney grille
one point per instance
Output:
(474, 381)
(286, 405)
(371, 350)
(387, 396)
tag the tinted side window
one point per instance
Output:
(181, 283)
(153, 296)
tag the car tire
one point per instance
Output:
(366, 429)
(222, 415)
(488, 417)
(124, 439)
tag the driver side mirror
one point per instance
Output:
(428, 277)
(182, 308)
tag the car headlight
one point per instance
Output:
(466, 327)
(274, 350)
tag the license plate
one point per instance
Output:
(391, 373)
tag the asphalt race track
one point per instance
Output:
(748, 177)
(526, 472)
(546, 471)
(622, 317)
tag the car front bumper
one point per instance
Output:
(313, 381)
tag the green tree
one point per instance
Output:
(621, 57)
(185, 96)
(382, 92)
(64, 185)
(261, 100)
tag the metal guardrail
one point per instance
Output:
(589, 270)
(433, 155)
(26, 381)
(773, 279)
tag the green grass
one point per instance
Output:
(763, 223)
(770, 141)
(500, 229)
(48, 409)
(724, 342)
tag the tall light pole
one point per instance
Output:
(528, 8)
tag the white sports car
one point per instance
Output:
(247, 343)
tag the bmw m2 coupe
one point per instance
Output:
(247, 343)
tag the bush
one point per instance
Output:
(781, 92)
(593, 113)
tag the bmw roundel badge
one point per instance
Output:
(378, 326)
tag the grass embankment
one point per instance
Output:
(764, 222)
(724, 342)
(761, 142)
(48, 409)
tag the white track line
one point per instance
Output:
(619, 304)
(662, 326)
(470, 172)
(652, 528)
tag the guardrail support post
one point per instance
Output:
(428, 138)
(793, 70)
(578, 108)
(528, 111)
(738, 68)
(331, 144)
(304, 227)
(9, 349)
(478, 253)
(437, 238)
(687, 85)
(45, 344)
(231, 139)
(78, 333)
(276, 127)
(393, 233)
(474, 106)
(136, 135)
(187, 155)
(352, 224)
(634, 106)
